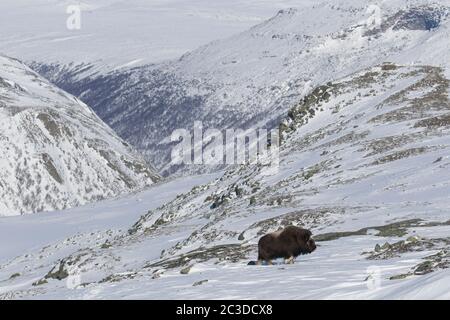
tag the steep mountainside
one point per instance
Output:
(55, 152)
(364, 163)
(254, 77)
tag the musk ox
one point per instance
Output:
(287, 243)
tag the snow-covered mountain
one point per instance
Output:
(253, 78)
(55, 153)
(364, 164)
(116, 34)
(360, 93)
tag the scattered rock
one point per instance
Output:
(186, 270)
(40, 282)
(15, 275)
(106, 245)
(396, 229)
(58, 272)
(199, 283)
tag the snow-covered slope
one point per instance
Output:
(364, 164)
(55, 152)
(122, 33)
(252, 78)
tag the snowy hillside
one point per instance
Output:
(122, 33)
(364, 164)
(55, 153)
(255, 76)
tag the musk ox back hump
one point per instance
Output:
(288, 242)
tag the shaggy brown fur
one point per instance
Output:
(287, 243)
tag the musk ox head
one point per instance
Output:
(305, 240)
(287, 243)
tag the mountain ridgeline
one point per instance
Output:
(253, 78)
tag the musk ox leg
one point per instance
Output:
(289, 261)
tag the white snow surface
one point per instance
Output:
(123, 33)
(364, 164)
(367, 173)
